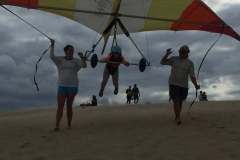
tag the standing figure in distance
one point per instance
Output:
(94, 101)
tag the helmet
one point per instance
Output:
(184, 49)
(116, 50)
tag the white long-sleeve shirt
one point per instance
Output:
(67, 69)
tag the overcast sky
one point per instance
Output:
(21, 46)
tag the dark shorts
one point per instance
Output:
(136, 97)
(176, 92)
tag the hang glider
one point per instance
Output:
(137, 15)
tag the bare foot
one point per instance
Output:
(178, 121)
(116, 91)
(56, 129)
(101, 93)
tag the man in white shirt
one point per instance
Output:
(67, 67)
(182, 69)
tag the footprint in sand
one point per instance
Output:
(39, 158)
(220, 127)
(25, 145)
(46, 138)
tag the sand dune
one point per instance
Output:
(148, 132)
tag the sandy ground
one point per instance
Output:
(211, 132)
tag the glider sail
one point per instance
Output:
(137, 15)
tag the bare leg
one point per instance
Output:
(115, 82)
(61, 102)
(104, 81)
(135, 100)
(128, 100)
(180, 109)
(177, 103)
(70, 100)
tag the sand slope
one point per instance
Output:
(124, 133)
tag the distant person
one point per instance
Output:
(129, 94)
(200, 97)
(182, 69)
(112, 68)
(204, 96)
(94, 101)
(68, 68)
(136, 94)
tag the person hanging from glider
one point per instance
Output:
(136, 94)
(112, 68)
(182, 68)
(67, 67)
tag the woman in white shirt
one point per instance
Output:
(67, 67)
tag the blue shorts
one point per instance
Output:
(67, 90)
